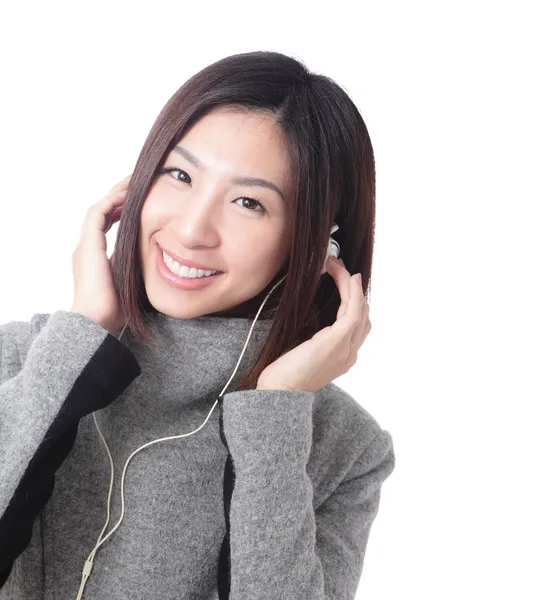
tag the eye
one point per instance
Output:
(244, 198)
(171, 169)
(247, 199)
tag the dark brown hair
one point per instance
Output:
(333, 171)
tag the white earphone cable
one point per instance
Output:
(89, 562)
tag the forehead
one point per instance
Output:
(242, 143)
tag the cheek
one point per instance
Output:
(258, 254)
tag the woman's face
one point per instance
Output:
(199, 213)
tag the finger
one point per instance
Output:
(363, 327)
(113, 218)
(111, 210)
(112, 263)
(342, 279)
(99, 215)
(354, 308)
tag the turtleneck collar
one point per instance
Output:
(194, 358)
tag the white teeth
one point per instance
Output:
(183, 271)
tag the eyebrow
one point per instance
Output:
(249, 181)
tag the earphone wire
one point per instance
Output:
(90, 559)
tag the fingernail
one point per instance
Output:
(359, 278)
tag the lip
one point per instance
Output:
(187, 263)
(182, 283)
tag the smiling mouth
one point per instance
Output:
(166, 260)
(167, 256)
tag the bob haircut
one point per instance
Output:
(333, 176)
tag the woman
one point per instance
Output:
(248, 169)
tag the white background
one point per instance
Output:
(445, 91)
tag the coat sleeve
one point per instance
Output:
(49, 379)
(280, 547)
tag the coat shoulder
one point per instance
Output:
(16, 337)
(336, 405)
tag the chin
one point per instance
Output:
(171, 308)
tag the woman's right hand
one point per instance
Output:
(95, 295)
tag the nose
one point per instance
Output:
(197, 224)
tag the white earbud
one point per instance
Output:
(333, 248)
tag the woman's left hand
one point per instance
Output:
(333, 350)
